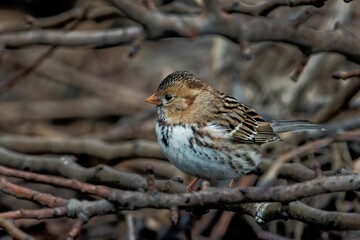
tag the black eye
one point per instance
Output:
(168, 97)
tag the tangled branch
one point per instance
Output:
(109, 137)
(240, 28)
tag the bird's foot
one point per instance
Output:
(231, 182)
(190, 187)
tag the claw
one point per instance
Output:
(230, 183)
(190, 187)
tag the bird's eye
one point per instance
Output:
(168, 97)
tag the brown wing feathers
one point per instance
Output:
(264, 131)
(250, 127)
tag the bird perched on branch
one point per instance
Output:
(208, 134)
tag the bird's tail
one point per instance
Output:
(280, 126)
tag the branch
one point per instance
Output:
(218, 199)
(13, 231)
(339, 102)
(346, 75)
(57, 181)
(83, 211)
(345, 124)
(25, 193)
(14, 79)
(130, 200)
(265, 7)
(76, 228)
(125, 97)
(256, 29)
(307, 148)
(86, 12)
(266, 212)
(132, 149)
(98, 38)
(67, 167)
(102, 191)
(92, 147)
(84, 107)
(130, 130)
(43, 213)
(239, 28)
(297, 171)
(87, 209)
(330, 220)
(74, 208)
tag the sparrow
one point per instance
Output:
(204, 132)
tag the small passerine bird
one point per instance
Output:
(206, 133)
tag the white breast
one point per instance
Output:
(177, 143)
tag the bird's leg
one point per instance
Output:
(190, 187)
(230, 183)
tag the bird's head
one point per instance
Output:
(182, 98)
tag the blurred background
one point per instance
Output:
(88, 92)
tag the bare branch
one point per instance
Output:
(219, 199)
(26, 71)
(126, 97)
(339, 101)
(159, 25)
(98, 38)
(327, 219)
(25, 193)
(346, 75)
(86, 209)
(13, 231)
(266, 212)
(265, 7)
(239, 28)
(216, 198)
(305, 149)
(85, 107)
(92, 147)
(43, 213)
(75, 230)
(60, 19)
(67, 167)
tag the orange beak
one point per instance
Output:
(153, 100)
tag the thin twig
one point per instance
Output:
(13, 231)
(75, 230)
(346, 74)
(339, 102)
(7, 84)
(32, 195)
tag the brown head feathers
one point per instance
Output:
(181, 76)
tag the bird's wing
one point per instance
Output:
(243, 123)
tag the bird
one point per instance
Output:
(206, 133)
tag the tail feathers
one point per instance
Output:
(280, 126)
(265, 133)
